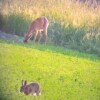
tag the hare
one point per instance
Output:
(32, 88)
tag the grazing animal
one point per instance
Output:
(32, 88)
(37, 27)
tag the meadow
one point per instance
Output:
(68, 67)
(62, 74)
(72, 25)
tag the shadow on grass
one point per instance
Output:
(2, 97)
(64, 51)
(54, 49)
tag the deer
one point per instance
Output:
(38, 26)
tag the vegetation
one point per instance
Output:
(72, 25)
(62, 74)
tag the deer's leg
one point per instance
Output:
(35, 36)
(29, 36)
(40, 35)
(45, 33)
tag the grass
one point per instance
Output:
(62, 74)
(72, 25)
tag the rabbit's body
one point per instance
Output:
(32, 88)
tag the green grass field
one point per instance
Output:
(71, 25)
(62, 74)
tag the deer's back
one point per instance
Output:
(40, 23)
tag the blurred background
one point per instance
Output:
(74, 24)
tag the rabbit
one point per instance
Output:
(32, 88)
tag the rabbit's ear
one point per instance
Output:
(22, 82)
(25, 83)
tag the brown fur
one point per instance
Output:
(37, 27)
(32, 88)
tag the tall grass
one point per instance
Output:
(72, 25)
